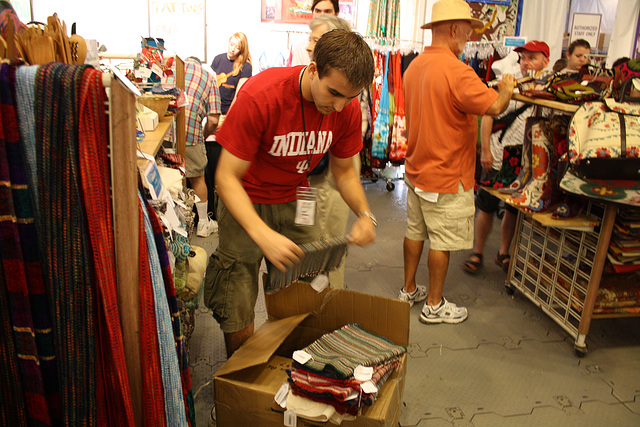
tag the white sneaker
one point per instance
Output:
(447, 312)
(207, 227)
(420, 294)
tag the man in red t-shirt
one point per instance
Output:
(283, 121)
(443, 96)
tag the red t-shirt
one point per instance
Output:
(264, 127)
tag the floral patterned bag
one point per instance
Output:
(604, 140)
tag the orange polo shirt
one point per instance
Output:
(443, 96)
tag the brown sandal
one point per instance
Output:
(472, 267)
(500, 261)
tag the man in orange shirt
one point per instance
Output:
(443, 98)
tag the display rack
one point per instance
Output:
(558, 263)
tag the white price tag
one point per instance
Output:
(281, 395)
(155, 68)
(320, 282)
(301, 356)
(290, 418)
(369, 387)
(363, 373)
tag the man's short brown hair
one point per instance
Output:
(345, 51)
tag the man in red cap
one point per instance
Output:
(534, 56)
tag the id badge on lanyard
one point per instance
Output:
(306, 206)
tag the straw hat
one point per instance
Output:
(451, 10)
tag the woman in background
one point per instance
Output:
(232, 68)
(577, 55)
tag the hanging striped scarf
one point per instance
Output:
(64, 238)
(25, 98)
(151, 372)
(20, 254)
(43, 323)
(172, 299)
(12, 407)
(173, 400)
(111, 369)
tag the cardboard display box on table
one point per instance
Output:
(245, 386)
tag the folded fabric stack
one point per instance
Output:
(624, 249)
(329, 370)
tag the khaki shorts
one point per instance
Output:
(448, 223)
(196, 158)
(231, 282)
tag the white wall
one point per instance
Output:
(120, 24)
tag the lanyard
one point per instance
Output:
(304, 126)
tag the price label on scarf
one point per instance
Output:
(369, 387)
(290, 418)
(301, 356)
(281, 395)
(363, 373)
(320, 282)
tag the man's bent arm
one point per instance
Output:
(280, 250)
(348, 182)
(505, 91)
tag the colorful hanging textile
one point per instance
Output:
(150, 369)
(20, 257)
(172, 300)
(64, 240)
(12, 406)
(173, 400)
(113, 382)
(398, 147)
(25, 98)
(384, 18)
(376, 86)
(380, 143)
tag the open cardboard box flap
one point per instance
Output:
(260, 346)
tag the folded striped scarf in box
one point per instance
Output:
(339, 389)
(350, 406)
(337, 354)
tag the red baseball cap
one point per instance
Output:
(534, 46)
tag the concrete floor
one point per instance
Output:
(508, 364)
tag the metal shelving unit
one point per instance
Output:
(559, 269)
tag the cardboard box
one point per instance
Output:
(246, 384)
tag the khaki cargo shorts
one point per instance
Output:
(231, 282)
(447, 224)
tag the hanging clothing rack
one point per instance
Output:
(389, 44)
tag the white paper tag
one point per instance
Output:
(353, 395)
(363, 373)
(142, 72)
(155, 68)
(320, 282)
(281, 395)
(369, 387)
(301, 356)
(290, 418)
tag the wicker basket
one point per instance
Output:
(157, 103)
